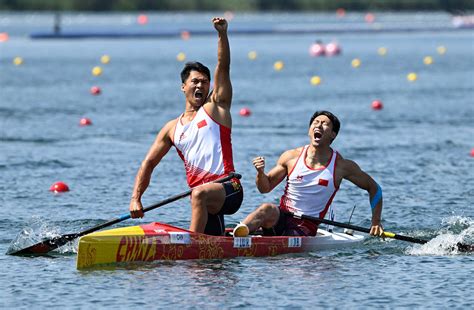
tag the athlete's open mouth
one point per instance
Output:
(317, 135)
(198, 94)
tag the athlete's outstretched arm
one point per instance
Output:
(222, 93)
(158, 150)
(365, 181)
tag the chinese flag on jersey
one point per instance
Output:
(323, 182)
(202, 123)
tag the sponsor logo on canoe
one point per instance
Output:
(294, 242)
(242, 242)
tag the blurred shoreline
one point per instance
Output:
(454, 7)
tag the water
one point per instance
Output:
(417, 148)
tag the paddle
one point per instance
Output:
(461, 247)
(48, 245)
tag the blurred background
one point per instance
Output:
(452, 6)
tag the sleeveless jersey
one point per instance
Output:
(205, 147)
(310, 191)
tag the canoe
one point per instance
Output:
(158, 241)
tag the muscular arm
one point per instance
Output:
(353, 173)
(222, 94)
(267, 182)
(158, 150)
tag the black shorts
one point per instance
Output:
(234, 196)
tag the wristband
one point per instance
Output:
(377, 197)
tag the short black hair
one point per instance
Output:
(194, 66)
(336, 125)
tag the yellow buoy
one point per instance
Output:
(428, 60)
(96, 71)
(412, 77)
(355, 62)
(105, 59)
(181, 56)
(278, 65)
(382, 51)
(441, 50)
(17, 61)
(252, 55)
(315, 80)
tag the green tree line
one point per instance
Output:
(454, 6)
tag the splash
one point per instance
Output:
(36, 231)
(456, 230)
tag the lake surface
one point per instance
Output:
(418, 148)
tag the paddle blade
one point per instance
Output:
(465, 247)
(44, 246)
(51, 244)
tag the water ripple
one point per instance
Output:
(29, 140)
(29, 164)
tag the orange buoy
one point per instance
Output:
(472, 152)
(340, 12)
(4, 37)
(142, 19)
(245, 112)
(185, 35)
(377, 105)
(95, 90)
(85, 122)
(59, 187)
(369, 18)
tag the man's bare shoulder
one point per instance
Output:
(171, 123)
(168, 129)
(294, 152)
(346, 165)
(290, 155)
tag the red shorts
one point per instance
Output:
(287, 225)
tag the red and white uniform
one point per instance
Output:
(310, 191)
(205, 147)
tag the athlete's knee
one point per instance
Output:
(199, 194)
(269, 213)
(267, 208)
(198, 199)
